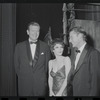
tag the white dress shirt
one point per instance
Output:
(78, 55)
(33, 48)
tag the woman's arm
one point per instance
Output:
(50, 80)
(67, 63)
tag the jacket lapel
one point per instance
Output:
(29, 54)
(81, 59)
(36, 56)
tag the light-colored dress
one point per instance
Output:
(58, 79)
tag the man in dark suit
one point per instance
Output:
(31, 64)
(84, 76)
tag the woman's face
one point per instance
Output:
(58, 49)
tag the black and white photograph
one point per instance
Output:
(50, 50)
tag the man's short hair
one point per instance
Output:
(33, 24)
(79, 30)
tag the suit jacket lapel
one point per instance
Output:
(84, 52)
(29, 54)
(36, 56)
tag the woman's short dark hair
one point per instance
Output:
(56, 41)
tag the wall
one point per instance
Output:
(93, 30)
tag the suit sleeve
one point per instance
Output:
(16, 60)
(95, 73)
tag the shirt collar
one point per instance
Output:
(82, 47)
(31, 40)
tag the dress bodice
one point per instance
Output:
(60, 73)
(58, 79)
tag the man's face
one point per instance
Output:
(74, 38)
(33, 32)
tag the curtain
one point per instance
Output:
(88, 12)
(7, 44)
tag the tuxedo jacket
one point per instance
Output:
(32, 74)
(85, 79)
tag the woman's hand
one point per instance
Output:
(59, 94)
(51, 94)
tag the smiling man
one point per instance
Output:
(31, 62)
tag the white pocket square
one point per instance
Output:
(42, 53)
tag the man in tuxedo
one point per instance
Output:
(84, 76)
(31, 63)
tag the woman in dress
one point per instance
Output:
(58, 70)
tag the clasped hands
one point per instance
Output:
(58, 94)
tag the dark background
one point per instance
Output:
(46, 14)
(49, 15)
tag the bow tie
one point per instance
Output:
(78, 51)
(31, 42)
